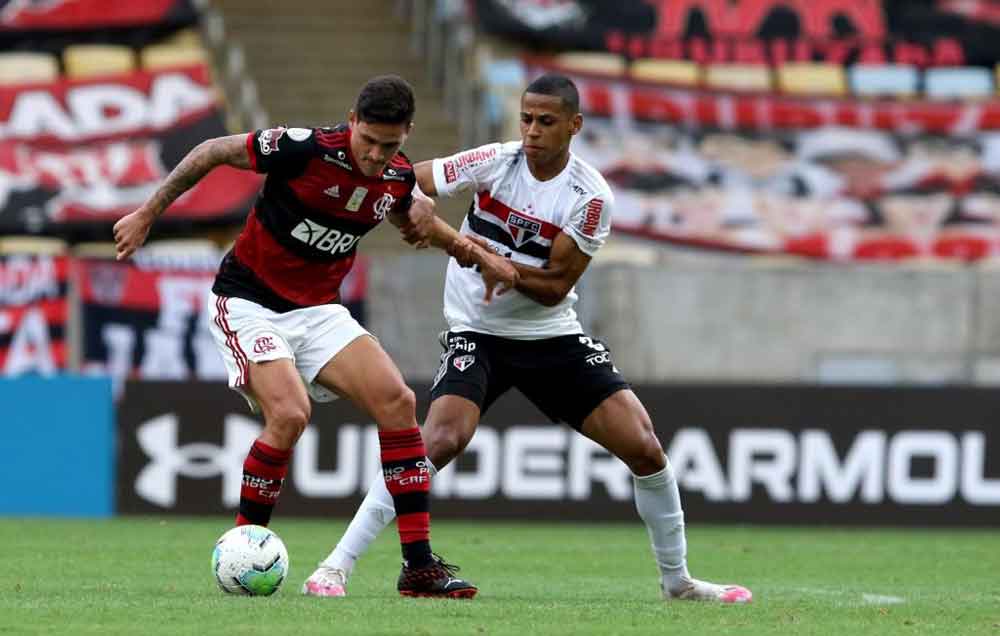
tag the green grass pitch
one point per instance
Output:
(152, 576)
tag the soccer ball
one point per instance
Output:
(250, 560)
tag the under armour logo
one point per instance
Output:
(157, 481)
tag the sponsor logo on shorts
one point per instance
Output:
(463, 362)
(264, 344)
(595, 359)
(592, 217)
(268, 140)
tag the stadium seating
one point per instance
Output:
(805, 78)
(601, 63)
(157, 56)
(23, 67)
(90, 60)
(884, 80)
(739, 77)
(31, 245)
(680, 72)
(958, 83)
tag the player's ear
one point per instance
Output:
(352, 118)
(576, 123)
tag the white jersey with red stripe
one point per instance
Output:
(520, 217)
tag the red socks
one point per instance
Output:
(408, 479)
(263, 474)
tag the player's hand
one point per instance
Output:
(419, 223)
(463, 251)
(131, 230)
(499, 274)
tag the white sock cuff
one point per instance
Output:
(657, 480)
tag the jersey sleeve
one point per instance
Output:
(282, 150)
(590, 224)
(469, 170)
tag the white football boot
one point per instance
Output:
(326, 581)
(695, 590)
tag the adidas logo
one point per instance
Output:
(332, 191)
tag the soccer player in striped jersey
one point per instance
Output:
(275, 306)
(549, 212)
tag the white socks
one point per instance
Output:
(656, 498)
(374, 514)
(659, 504)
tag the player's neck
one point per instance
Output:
(549, 169)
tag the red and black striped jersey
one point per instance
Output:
(300, 238)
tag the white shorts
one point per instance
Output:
(310, 337)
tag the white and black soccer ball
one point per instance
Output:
(250, 560)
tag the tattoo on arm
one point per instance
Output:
(231, 150)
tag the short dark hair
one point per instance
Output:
(385, 99)
(557, 86)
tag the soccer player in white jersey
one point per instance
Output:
(549, 212)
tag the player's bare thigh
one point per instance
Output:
(451, 422)
(365, 374)
(278, 389)
(621, 424)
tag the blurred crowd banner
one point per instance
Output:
(141, 319)
(34, 308)
(754, 454)
(26, 24)
(920, 32)
(147, 319)
(77, 154)
(823, 178)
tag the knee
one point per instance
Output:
(287, 419)
(397, 408)
(446, 440)
(645, 456)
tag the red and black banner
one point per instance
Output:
(34, 307)
(919, 32)
(77, 155)
(52, 24)
(823, 178)
(146, 319)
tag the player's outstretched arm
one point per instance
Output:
(499, 274)
(549, 285)
(131, 230)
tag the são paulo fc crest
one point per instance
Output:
(463, 362)
(522, 229)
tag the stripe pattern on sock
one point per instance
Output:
(408, 479)
(263, 475)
